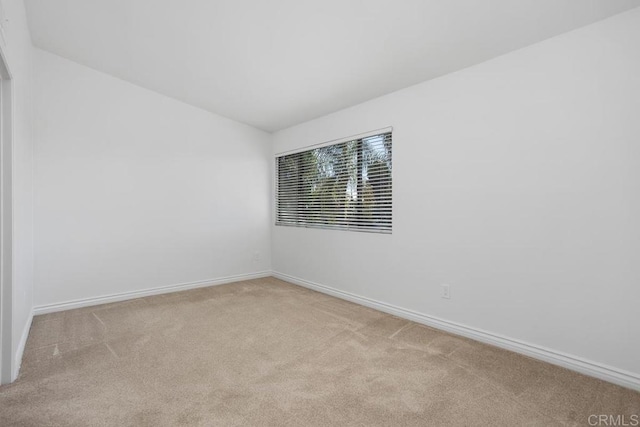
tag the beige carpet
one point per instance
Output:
(268, 353)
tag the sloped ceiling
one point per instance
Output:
(273, 64)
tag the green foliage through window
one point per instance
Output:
(344, 186)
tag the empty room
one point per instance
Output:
(320, 213)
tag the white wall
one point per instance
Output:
(517, 182)
(135, 190)
(18, 50)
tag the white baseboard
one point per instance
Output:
(17, 362)
(122, 296)
(575, 363)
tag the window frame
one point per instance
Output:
(385, 227)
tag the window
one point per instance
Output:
(343, 186)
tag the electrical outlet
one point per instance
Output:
(256, 256)
(445, 292)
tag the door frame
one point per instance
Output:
(6, 221)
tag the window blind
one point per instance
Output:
(345, 186)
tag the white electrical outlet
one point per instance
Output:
(445, 292)
(256, 256)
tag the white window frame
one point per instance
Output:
(349, 227)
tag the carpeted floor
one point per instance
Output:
(268, 353)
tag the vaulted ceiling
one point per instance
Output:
(276, 63)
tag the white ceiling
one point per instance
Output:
(276, 63)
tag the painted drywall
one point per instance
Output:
(135, 190)
(273, 64)
(516, 182)
(18, 50)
